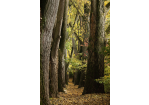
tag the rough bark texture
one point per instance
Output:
(100, 37)
(49, 10)
(61, 69)
(95, 66)
(54, 51)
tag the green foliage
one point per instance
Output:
(106, 81)
(107, 50)
(68, 45)
(77, 64)
(77, 7)
(68, 30)
(107, 71)
(107, 54)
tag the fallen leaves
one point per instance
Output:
(73, 96)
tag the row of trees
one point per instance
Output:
(72, 38)
(98, 48)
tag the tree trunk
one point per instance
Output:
(74, 46)
(54, 51)
(66, 73)
(73, 79)
(95, 66)
(61, 69)
(86, 34)
(49, 10)
(100, 37)
(67, 65)
(77, 77)
(82, 78)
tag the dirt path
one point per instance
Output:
(73, 96)
(71, 90)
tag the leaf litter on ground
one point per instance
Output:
(73, 96)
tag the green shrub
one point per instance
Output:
(106, 81)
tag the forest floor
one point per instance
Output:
(73, 96)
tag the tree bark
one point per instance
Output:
(100, 38)
(86, 34)
(95, 66)
(49, 10)
(66, 73)
(61, 69)
(54, 51)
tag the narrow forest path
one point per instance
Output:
(73, 96)
(71, 90)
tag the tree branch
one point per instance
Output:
(81, 13)
(76, 35)
(81, 42)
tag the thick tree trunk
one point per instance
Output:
(100, 37)
(95, 66)
(54, 51)
(61, 69)
(49, 10)
(89, 82)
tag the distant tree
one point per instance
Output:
(85, 42)
(67, 65)
(49, 10)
